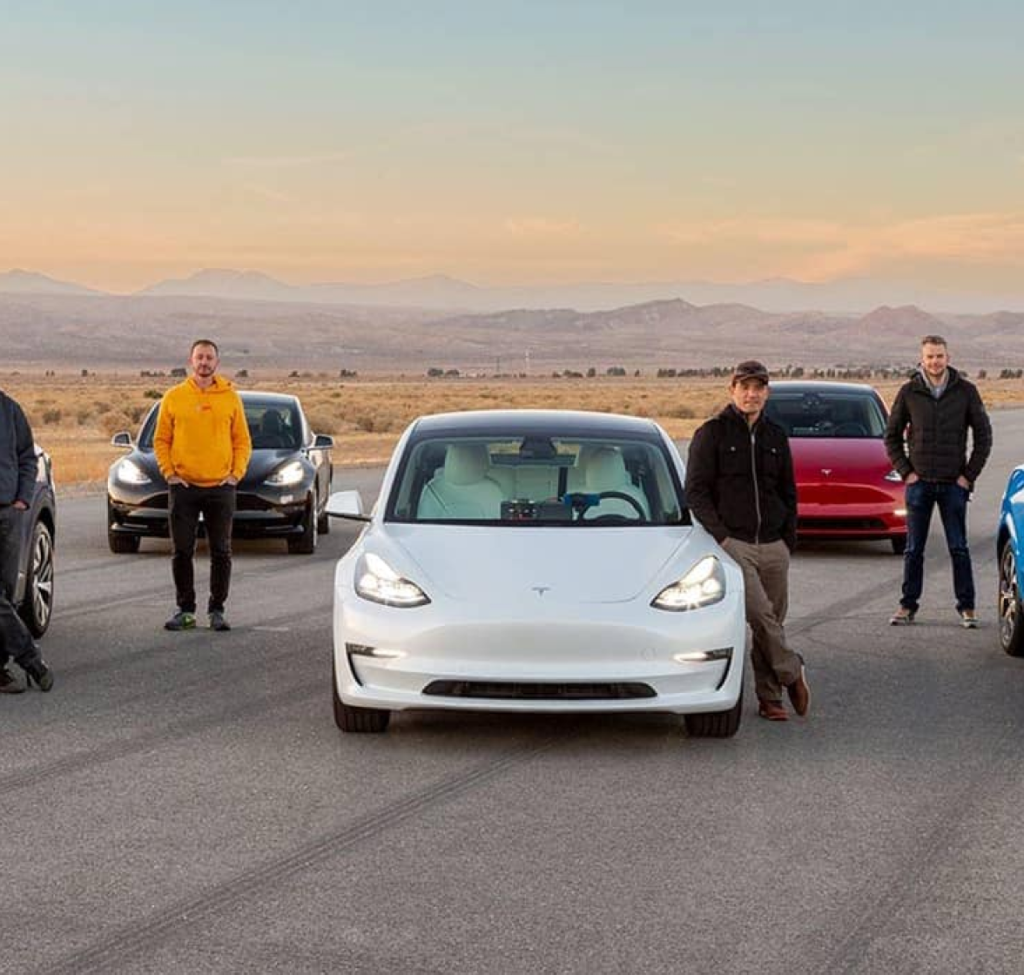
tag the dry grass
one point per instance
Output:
(74, 417)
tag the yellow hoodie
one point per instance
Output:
(201, 434)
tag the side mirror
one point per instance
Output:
(322, 442)
(122, 439)
(346, 504)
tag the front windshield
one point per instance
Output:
(273, 425)
(537, 480)
(844, 414)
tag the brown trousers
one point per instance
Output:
(766, 579)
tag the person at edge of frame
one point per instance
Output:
(741, 487)
(926, 439)
(202, 445)
(18, 470)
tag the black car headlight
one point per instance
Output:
(128, 472)
(287, 475)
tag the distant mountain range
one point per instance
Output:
(150, 331)
(18, 282)
(845, 296)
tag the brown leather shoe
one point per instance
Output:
(772, 710)
(799, 693)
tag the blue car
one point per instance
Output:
(1010, 553)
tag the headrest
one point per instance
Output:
(605, 470)
(271, 422)
(466, 463)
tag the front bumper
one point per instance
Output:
(257, 514)
(388, 658)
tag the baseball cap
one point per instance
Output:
(750, 369)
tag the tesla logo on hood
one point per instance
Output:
(826, 471)
(540, 590)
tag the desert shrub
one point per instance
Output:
(322, 421)
(83, 416)
(117, 420)
(682, 412)
(152, 394)
(102, 406)
(51, 415)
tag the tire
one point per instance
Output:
(716, 724)
(323, 523)
(305, 544)
(899, 544)
(1011, 617)
(37, 607)
(123, 544)
(357, 720)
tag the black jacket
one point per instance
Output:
(937, 434)
(739, 480)
(17, 454)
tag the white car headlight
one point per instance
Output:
(378, 582)
(287, 475)
(702, 586)
(128, 472)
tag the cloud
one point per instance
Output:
(542, 227)
(289, 162)
(820, 249)
(267, 193)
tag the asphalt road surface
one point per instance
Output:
(183, 802)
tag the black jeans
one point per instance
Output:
(217, 506)
(951, 500)
(15, 639)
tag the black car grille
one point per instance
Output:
(540, 691)
(841, 524)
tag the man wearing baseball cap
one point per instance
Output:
(740, 487)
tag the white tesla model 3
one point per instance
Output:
(535, 560)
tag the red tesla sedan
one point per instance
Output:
(846, 487)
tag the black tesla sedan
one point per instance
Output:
(283, 494)
(33, 588)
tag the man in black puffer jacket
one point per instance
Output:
(741, 488)
(932, 414)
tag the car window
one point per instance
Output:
(536, 480)
(273, 426)
(841, 414)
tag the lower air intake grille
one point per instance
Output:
(536, 691)
(840, 524)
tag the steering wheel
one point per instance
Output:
(621, 496)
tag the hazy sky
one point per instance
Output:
(514, 143)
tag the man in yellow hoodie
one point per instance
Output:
(202, 446)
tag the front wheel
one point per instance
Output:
(358, 720)
(37, 607)
(1011, 626)
(305, 544)
(716, 724)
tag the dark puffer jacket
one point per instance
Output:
(739, 480)
(937, 434)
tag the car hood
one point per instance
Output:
(845, 459)
(570, 565)
(265, 461)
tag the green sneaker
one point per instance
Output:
(181, 621)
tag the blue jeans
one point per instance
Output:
(922, 497)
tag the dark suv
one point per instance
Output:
(33, 589)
